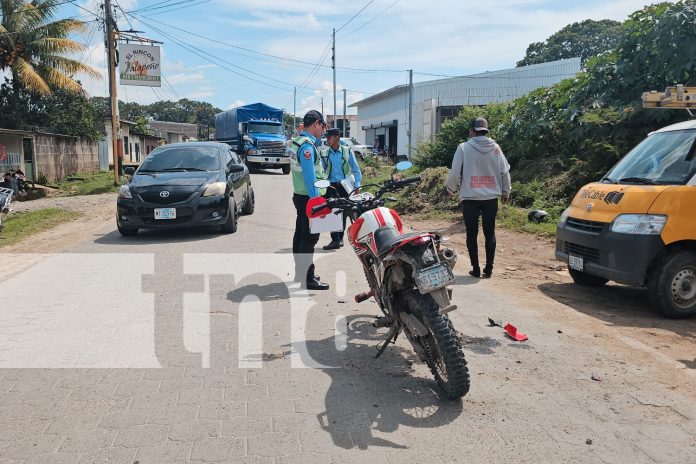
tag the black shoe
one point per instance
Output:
(316, 284)
(487, 272)
(333, 245)
(475, 272)
(340, 244)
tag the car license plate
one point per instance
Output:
(575, 262)
(434, 278)
(165, 213)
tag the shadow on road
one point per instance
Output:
(617, 305)
(159, 237)
(369, 397)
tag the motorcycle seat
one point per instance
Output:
(387, 237)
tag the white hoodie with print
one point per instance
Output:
(479, 170)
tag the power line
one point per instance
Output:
(375, 17)
(355, 15)
(180, 8)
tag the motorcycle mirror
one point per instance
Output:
(403, 165)
(322, 184)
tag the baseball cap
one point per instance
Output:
(311, 117)
(333, 132)
(479, 125)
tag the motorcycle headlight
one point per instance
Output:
(124, 192)
(639, 224)
(564, 216)
(216, 188)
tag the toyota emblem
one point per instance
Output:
(589, 207)
(164, 194)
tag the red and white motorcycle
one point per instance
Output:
(408, 275)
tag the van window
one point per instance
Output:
(662, 158)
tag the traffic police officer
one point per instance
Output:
(306, 169)
(339, 163)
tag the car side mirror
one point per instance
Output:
(129, 170)
(235, 168)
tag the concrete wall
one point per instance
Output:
(58, 156)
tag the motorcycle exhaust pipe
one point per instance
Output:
(449, 255)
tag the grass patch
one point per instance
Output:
(87, 183)
(19, 226)
(430, 200)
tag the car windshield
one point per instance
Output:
(662, 158)
(189, 158)
(263, 128)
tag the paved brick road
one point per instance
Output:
(170, 310)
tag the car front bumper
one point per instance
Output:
(622, 258)
(198, 212)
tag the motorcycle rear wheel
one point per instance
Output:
(443, 350)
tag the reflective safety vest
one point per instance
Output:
(345, 151)
(298, 182)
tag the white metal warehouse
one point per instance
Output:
(383, 117)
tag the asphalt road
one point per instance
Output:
(197, 347)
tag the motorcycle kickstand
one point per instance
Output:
(384, 344)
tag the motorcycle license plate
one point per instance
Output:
(577, 263)
(165, 213)
(434, 277)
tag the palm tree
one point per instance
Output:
(33, 47)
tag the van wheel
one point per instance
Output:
(587, 280)
(286, 170)
(230, 226)
(126, 232)
(673, 285)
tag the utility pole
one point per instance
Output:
(294, 112)
(410, 109)
(344, 112)
(333, 65)
(322, 106)
(109, 28)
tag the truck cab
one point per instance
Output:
(637, 225)
(265, 145)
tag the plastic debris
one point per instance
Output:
(511, 330)
(493, 323)
(596, 377)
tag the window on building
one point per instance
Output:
(125, 145)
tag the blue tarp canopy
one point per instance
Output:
(227, 123)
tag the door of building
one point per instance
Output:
(28, 147)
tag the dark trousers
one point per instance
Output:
(337, 192)
(303, 241)
(487, 210)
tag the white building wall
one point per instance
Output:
(478, 89)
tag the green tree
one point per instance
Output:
(585, 39)
(33, 46)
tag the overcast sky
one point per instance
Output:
(448, 37)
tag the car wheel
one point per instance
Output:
(673, 285)
(230, 226)
(250, 202)
(125, 231)
(587, 280)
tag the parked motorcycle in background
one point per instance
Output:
(5, 200)
(408, 275)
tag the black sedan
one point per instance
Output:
(186, 185)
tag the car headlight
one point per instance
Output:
(639, 224)
(216, 188)
(124, 192)
(252, 151)
(564, 216)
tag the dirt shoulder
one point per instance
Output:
(526, 270)
(97, 211)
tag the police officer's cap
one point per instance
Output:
(333, 132)
(311, 117)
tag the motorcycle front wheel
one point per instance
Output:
(443, 350)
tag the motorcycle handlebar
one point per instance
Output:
(410, 180)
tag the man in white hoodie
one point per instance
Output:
(480, 174)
